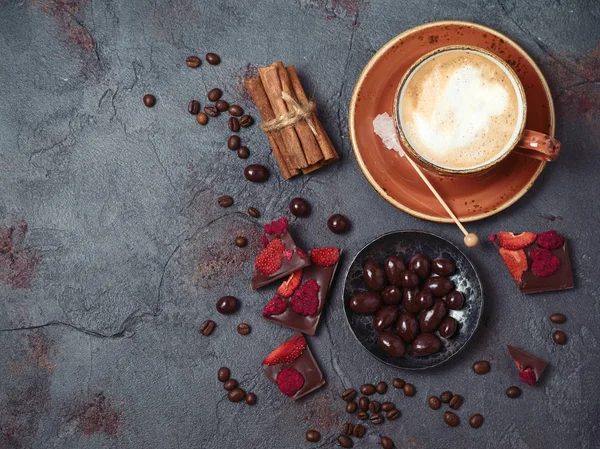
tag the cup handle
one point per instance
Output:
(538, 146)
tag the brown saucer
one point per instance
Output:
(471, 197)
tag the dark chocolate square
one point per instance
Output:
(525, 360)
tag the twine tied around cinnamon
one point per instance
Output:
(296, 113)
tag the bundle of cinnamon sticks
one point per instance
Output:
(298, 140)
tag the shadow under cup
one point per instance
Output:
(510, 135)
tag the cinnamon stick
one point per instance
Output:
(291, 151)
(259, 96)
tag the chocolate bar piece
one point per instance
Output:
(562, 279)
(527, 362)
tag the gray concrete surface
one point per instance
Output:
(119, 250)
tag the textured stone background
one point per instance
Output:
(119, 250)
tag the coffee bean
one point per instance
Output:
(256, 173)
(225, 201)
(214, 94)
(387, 406)
(233, 124)
(351, 407)
(446, 396)
(210, 110)
(451, 419)
(235, 110)
(476, 420)
(299, 207)
(348, 394)
(363, 416)
(193, 61)
(213, 59)
(434, 402)
(243, 152)
(253, 212)
(359, 431)
(207, 327)
(241, 242)
(348, 428)
(374, 407)
(223, 374)
(392, 415)
(558, 318)
(193, 107)
(221, 105)
(149, 100)
(367, 389)
(246, 120)
(456, 402)
(227, 305)
(230, 384)
(250, 399)
(236, 395)
(313, 436)
(481, 367)
(513, 392)
(376, 418)
(381, 387)
(363, 403)
(398, 383)
(345, 441)
(243, 329)
(409, 390)
(386, 443)
(337, 224)
(234, 142)
(202, 118)
(559, 337)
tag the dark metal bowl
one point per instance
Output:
(406, 244)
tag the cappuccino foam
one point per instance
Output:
(460, 109)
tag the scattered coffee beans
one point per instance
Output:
(207, 327)
(351, 407)
(367, 389)
(345, 441)
(348, 428)
(363, 403)
(337, 223)
(210, 110)
(221, 105)
(513, 392)
(241, 242)
(256, 173)
(446, 396)
(456, 402)
(451, 419)
(234, 142)
(313, 436)
(381, 387)
(558, 318)
(246, 120)
(386, 443)
(225, 201)
(434, 402)
(202, 118)
(223, 374)
(398, 383)
(363, 416)
(227, 305)
(236, 395)
(230, 384)
(476, 420)
(393, 414)
(409, 390)
(481, 367)
(253, 211)
(233, 124)
(243, 152)
(299, 207)
(559, 337)
(250, 399)
(193, 61)
(243, 329)
(193, 107)
(374, 406)
(359, 431)
(214, 94)
(387, 406)
(348, 394)
(376, 418)
(149, 100)
(235, 110)
(212, 58)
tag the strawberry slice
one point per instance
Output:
(325, 257)
(514, 242)
(516, 262)
(269, 259)
(287, 352)
(289, 286)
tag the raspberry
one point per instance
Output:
(325, 257)
(277, 227)
(545, 267)
(289, 286)
(550, 240)
(288, 253)
(540, 254)
(287, 352)
(514, 242)
(289, 381)
(528, 376)
(268, 260)
(264, 240)
(275, 307)
(305, 300)
(516, 262)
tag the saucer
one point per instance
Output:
(471, 197)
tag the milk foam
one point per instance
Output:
(460, 109)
